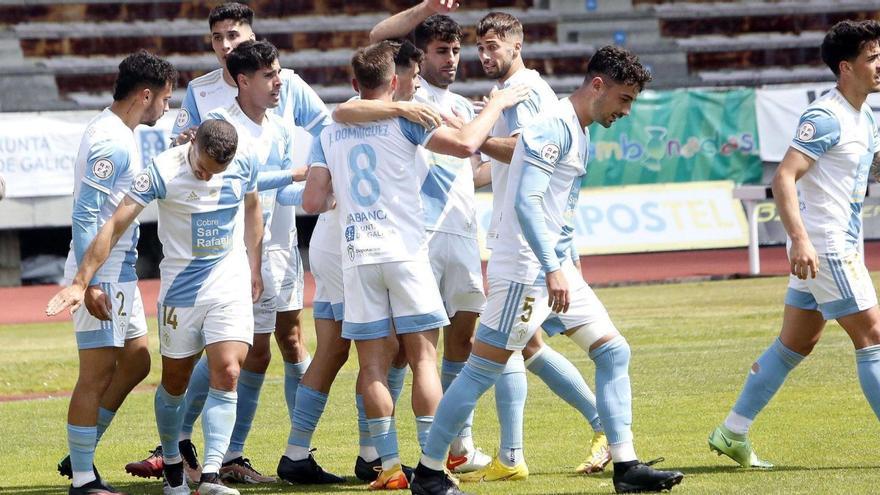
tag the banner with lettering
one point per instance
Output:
(684, 135)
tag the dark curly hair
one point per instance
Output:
(249, 57)
(620, 65)
(406, 54)
(436, 27)
(142, 69)
(845, 41)
(218, 139)
(235, 11)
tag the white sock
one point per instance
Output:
(432, 463)
(184, 436)
(80, 478)
(511, 457)
(296, 453)
(737, 423)
(623, 452)
(172, 460)
(232, 454)
(462, 445)
(368, 453)
(390, 463)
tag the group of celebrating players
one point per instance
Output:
(395, 255)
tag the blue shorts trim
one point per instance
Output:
(324, 310)
(553, 326)
(840, 308)
(366, 331)
(420, 323)
(800, 299)
(95, 339)
(495, 338)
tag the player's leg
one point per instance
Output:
(168, 405)
(288, 328)
(421, 353)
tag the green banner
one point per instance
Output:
(679, 136)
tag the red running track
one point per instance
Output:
(26, 304)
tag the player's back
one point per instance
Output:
(376, 184)
(107, 161)
(843, 141)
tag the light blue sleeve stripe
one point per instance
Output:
(84, 222)
(818, 131)
(273, 179)
(529, 211)
(291, 195)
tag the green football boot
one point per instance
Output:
(737, 447)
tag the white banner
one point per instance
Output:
(661, 217)
(38, 150)
(779, 109)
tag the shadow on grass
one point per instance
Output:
(778, 469)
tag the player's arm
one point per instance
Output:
(466, 141)
(499, 148)
(317, 193)
(401, 24)
(95, 256)
(482, 172)
(253, 240)
(356, 111)
(802, 256)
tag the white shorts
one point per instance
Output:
(327, 270)
(282, 287)
(515, 311)
(842, 287)
(127, 322)
(455, 261)
(403, 290)
(184, 332)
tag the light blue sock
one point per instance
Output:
(249, 385)
(868, 365)
(396, 377)
(309, 407)
(566, 381)
(510, 402)
(458, 402)
(448, 371)
(765, 377)
(105, 417)
(613, 389)
(383, 432)
(293, 373)
(196, 393)
(81, 441)
(363, 426)
(423, 427)
(217, 424)
(169, 415)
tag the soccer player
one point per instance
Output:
(230, 24)
(819, 188)
(386, 270)
(533, 282)
(210, 274)
(112, 334)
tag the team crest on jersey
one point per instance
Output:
(806, 131)
(142, 182)
(351, 252)
(102, 168)
(550, 153)
(349, 233)
(182, 118)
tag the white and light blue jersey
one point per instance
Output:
(106, 163)
(448, 188)
(299, 103)
(201, 227)
(536, 229)
(377, 189)
(270, 143)
(327, 234)
(842, 140)
(511, 123)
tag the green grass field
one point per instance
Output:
(692, 345)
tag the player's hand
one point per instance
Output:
(509, 97)
(98, 303)
(419, 113)
(557, 289)
(454, 120)
(69, 297)
(479, 105)
(804, 260)
(442, 6)
(300, 173)
(256, 286)
(185, 136)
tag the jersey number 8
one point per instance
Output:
(364, 184)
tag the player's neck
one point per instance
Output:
(127, 112)
(853, 95)
(580, 101)
(253, 112)
(227, 78)
(515, 66)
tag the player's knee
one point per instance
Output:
(225, 376)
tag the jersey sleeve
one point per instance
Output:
(545, 142)
(817, 132)
(309, 112)
(188, 115)
(147, 186)
(84, 221)
(521, 114)
(106, 162)
(316, 154)
(530, 191)
(415, 133)
(291, 195)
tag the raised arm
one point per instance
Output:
(253, 240)
(802, 256)
(356, 111)
(317, 194)
(402, 23)
(499, 148)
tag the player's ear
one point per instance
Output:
(355, 85)
(146, 95)
(597, 83)
(394, 82)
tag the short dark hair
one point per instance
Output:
(142, 69)
(373, 65)
(620, 65)
(845, 41)
(218, 139)
(235, 11)
(406, 54)
(436, 27)
(504, 25)
(249, 57)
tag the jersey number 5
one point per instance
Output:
(364, 184)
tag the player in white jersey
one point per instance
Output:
(819, 188)
(533, 283)
(111, 331)
(210, 226)
(386, 272)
